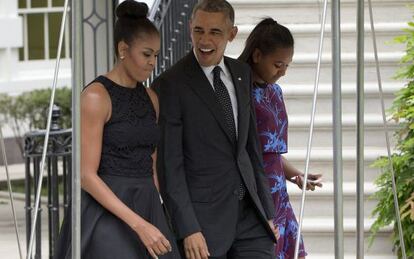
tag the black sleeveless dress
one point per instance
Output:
(129, 139)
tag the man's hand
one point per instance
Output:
(195, 247)
(274, 229)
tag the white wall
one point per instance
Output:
(11, 29)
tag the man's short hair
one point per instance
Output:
(215, 6)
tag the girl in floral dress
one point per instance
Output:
(269, 50)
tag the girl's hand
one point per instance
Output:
(153, 239)
(314, 180)
(274, 228)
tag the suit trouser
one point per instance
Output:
(252, 239)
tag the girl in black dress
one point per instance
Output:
(121, 212)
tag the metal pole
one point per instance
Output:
(309, 147)
(360, 130)
(387, 138)
(337, 129)
(110, 26)
(77, 83)
(46, 140)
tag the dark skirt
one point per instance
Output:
(103, 235)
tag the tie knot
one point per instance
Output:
(216, 71)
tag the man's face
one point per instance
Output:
(210, 33)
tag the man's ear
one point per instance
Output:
(233, 33)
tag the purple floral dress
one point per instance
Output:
(272, 125)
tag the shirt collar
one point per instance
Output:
(209, 70)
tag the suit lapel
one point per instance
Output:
(198, 81)
(239, 81)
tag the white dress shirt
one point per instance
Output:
(228, 82)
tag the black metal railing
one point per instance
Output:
(172, 18)
(57, 184)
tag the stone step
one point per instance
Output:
(305, 66)
(349, 170)
(372, 121)
(326, 155)
(299, 97)
(322, 138)
(372, 104)
(348, 89)
(349, 256)
(299, 127)
(307, 37)
(321, 162)
(318, 234)
(320, 203)
(310, 11)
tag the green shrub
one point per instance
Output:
(28, 111)
(402, 159)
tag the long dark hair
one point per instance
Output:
(132, 22)
(267, 36)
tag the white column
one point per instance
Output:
(11, 29)
(97, 38)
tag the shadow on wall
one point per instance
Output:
(14, 155)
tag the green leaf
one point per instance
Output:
(402, 111)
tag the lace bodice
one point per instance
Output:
(131, 134)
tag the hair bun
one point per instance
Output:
(268, 21)
(132, 9)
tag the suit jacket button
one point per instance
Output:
(236, 192)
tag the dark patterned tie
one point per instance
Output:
(223, 98)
